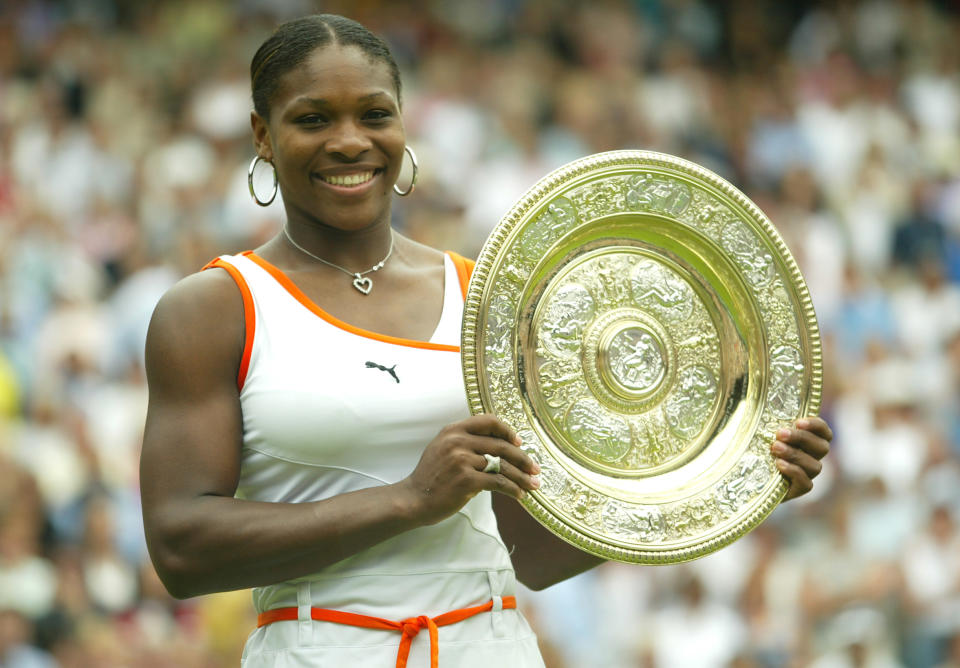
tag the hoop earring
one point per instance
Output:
(253, 193)
(413, 179)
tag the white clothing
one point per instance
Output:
(328, 409)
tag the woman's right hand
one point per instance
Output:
(450, 470)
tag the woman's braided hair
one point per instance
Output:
(292, 42)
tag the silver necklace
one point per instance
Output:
(361, 281)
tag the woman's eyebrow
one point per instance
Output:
(322, 101)
(372, 96)
(315, 101)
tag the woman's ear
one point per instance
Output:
(261, 136)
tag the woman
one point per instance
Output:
(322, 454)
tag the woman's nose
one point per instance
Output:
(348, 140)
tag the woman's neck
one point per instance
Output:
(353, 250)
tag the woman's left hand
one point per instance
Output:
(799, 451)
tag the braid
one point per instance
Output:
(292, 42)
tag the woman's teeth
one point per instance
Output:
(348, 179)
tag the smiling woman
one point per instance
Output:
(334, 133)
(311, 438)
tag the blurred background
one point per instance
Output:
(124, 140)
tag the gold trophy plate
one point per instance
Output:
(642, 326)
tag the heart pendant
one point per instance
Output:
(363, 284)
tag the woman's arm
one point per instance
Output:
(200, 538)
(541, 559)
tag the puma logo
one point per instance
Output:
(390, 370)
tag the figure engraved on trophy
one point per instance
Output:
(691, 401)
(637, 197)
(644, 524)
(568, 312)
(581, 504)
(561, 384)
(559, 217)
(786, 381)
(746, 481)
(692, 517)
(596, 432)
(497, 354)
(729, 495)
(645, 192)
(636, 359)
(653, 445)
(609, 279)
(670, 197)
(778, 314)
(599, 198)
(498, 350)
(660, 289)
(702, 344)
(648, 523)
(749, 252)
(516, 272)
(708, 214)
(500, 314)
(553, 480)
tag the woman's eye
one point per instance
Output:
(377, 114)
(310, 119)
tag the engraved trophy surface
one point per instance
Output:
(643, 327)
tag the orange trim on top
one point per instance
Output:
(464, 270)
(409, 627)
(249, 316)
(298, 294)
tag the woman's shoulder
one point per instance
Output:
(205, 291)
(203, 310)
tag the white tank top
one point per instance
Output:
(329, 408)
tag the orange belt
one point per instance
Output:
(408, 627)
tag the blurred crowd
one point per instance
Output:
(124, 140)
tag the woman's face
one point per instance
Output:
(336, 138)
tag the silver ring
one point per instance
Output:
(493, 464)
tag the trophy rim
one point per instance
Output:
(535, 196)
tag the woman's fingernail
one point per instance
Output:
(803, 424)
(778, 448)
(535, 481)
(535, 469)
(783, 434)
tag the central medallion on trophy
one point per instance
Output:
(627, 359)
(632, 360)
